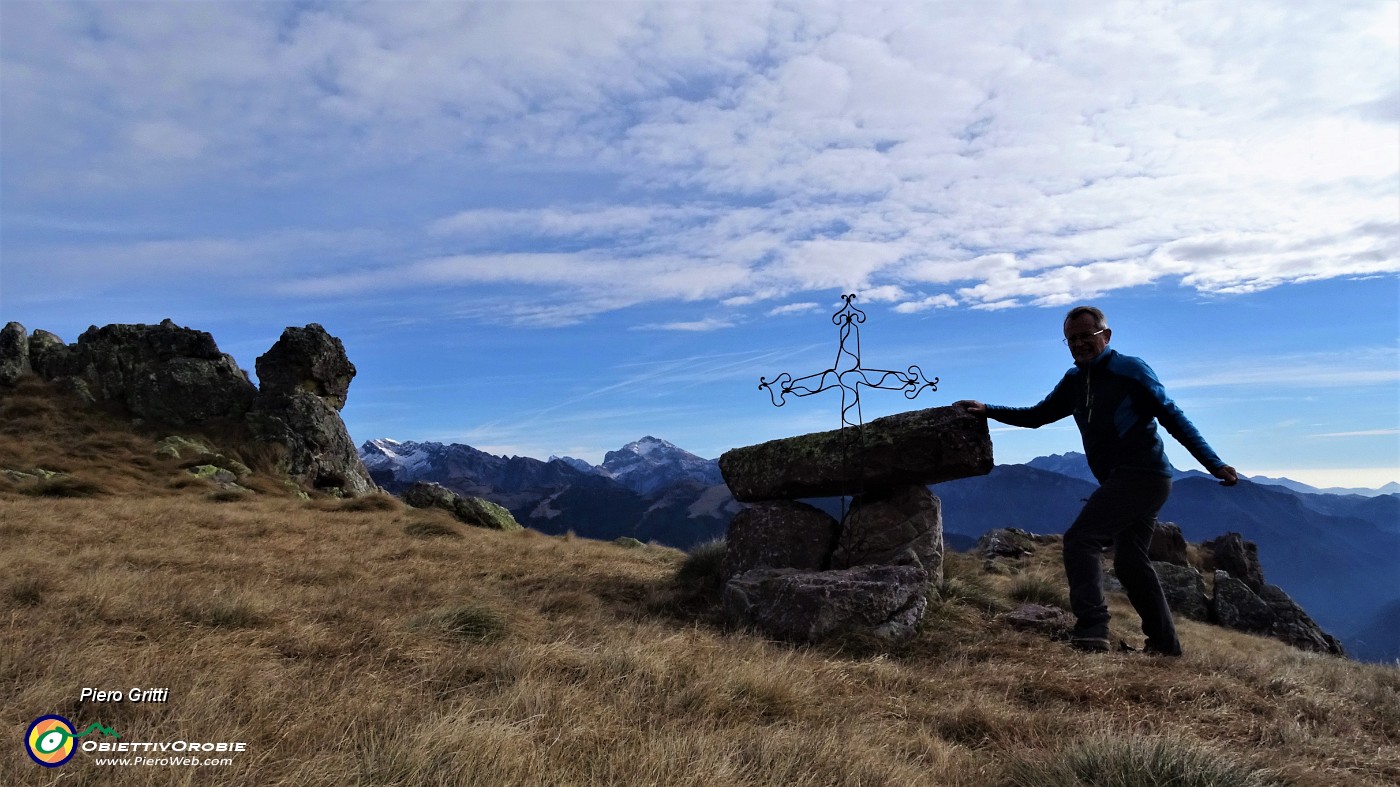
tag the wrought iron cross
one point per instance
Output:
(847, 373)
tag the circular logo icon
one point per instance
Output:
(50, 741)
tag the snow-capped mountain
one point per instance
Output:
(652, 490)
(649, 465)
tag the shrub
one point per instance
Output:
(472, 623)
(1033, 589)
(1134, 762)
(703, 568)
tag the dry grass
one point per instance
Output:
(348, 646)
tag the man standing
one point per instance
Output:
(1115, 400)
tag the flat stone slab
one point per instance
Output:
(917, 447)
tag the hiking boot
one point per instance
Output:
(1089, 644)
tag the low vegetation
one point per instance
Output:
(366, 643)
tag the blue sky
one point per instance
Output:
(555, 227)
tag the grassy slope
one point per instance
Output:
(367, 643)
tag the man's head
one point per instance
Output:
(1086, 332)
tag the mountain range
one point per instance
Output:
(1337, 554)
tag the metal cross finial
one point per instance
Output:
(847, 373)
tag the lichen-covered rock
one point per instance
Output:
(1185, 590)
(917, 447)
(878, 602)
(14, 353)
(471, 510)
(903, 526)
(307, 359)
(319, 451)
(1168, 544)
(1006, 542)
(780, 534)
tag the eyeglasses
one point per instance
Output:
(1082, 337)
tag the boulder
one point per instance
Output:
(1185, 590)
(1168, 544)
(307, 359)
(903, 526)
(1270, 612)
(1236, 606)
(1239, 558)
(879, 602)
(319, 451)
(780, 534)
(473, 511)
(918, 447)
(14, 353)
(1007, 542)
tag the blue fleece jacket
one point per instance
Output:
(1116, 401)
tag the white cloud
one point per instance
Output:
(793, 308)
(694, 326)
(621, 153)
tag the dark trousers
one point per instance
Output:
(1121, 513)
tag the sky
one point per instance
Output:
(547, 227)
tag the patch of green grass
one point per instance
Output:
(1134, 762)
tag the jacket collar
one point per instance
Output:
(1097, 359)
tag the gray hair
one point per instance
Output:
(1100, 321)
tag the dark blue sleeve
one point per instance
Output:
(1052, 408)
(1170, 416)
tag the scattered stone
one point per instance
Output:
(899, 527)
(1040, 618)
(628, 542)
(881, 602)
(177, 447)
(1168, 544)
(916, 447)
(780, 534)
(1006, 542)
(14, 353)
(213, 473)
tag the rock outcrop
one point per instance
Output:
(1168, 545)
(1239, 558)
(795, 573)
(174, 376)
(14, 353)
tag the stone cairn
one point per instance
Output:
(795, 573)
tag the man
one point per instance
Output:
(1115, 400)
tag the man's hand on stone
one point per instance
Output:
(972, 406)
(1227, 475)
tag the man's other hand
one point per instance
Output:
(972, 406)
(1227, 475)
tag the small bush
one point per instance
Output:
(430, 529)
(471, 623)
(28, 592)
(974, 592)
(1032, 589)
(1134, 762)
(63, 486)
(703, 568)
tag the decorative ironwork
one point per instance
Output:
(847, 373)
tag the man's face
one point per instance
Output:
(1085, 342)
